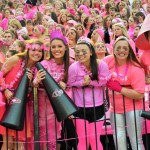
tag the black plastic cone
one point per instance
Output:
(145, 114)
(62, 105)
(14, 115)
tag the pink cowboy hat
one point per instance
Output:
(141, 41)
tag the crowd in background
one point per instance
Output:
(80, 43)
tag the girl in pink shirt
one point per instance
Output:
(57, 66)
(86, 72)
(128, 83)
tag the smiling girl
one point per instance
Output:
(13, 70)
(57, 66)
(83, 74)
(128, 84)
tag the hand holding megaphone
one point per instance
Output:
(8, 94)
(14, 115)
(39, 76)
(62, 105)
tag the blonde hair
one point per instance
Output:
(134, 4)
(23, 54)
(134, 11)
(80, 25)
(125, 5)
(16, 23)
(123, 29)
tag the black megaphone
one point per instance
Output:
(14, 115)
(62, 105)
(145, 114)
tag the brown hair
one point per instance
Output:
(66, 59)
(131, 57)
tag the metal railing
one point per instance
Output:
(69, 139)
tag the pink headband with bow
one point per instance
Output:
(37, 47)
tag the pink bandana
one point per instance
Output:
(41, 28)
(37, 47)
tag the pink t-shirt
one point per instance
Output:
(76, 75)
(131, 32)
(129, 76)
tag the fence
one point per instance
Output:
(80, 131)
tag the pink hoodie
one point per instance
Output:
(4, 24)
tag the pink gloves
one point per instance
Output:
(114, 85)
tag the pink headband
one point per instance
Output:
(74, 23)
(86, 10)
(19, 18)
(37, 47)
(41, 28)
(21, 38)
(117, 20)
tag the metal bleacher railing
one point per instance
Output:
(69, 138)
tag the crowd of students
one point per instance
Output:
(102, 44)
